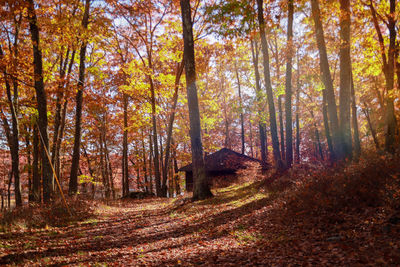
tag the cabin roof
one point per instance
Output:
(224, 160)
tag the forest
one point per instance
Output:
(215, 133)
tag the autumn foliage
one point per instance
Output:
(101, 101)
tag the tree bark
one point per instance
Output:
(356, 134)
(29, 161)
(13, 135)
(41, 100)
(59, 115)
(345, 78)
(108, 164)
(146, 180)
(261, 125)
(251, 137)
(103, 166)
(73, 180)
(178, 74)
(270, 96)
(35, 166)
(388, 70)
(288, 88)
(326, 126)
(241, 108)
(176, 175)
(390, 116)
(298, 113)
(201, 188)
(57, 163)
(125, 170)
(156, 157)
(281, 126)
(150, 166)
(327, 80)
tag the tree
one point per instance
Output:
(240, 107)
(13, 105)
(268, 87)
(261, 124)
(179, 70)
(345, 78)
(201, 188)
(327, 80)
(288, 91)
(388, 65)
(125, 169)
(356, 133)
(41, 100)
(73, 180)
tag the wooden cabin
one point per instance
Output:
(221, 168)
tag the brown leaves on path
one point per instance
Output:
(242, 225)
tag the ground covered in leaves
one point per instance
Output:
(247, 224)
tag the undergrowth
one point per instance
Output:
(37, 215)
(315, 190)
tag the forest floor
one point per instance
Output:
(243, 224)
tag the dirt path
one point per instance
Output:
(238, 227)
(142, 232)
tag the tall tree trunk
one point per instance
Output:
(288, 90)
(261, 125)
(356, 134)
(345, 77)
(240, 107)
(270, 96)
(35, 166)
(281, 129)
(326, 125)
(60, 114)
(13, 136)
(227, 142)
(163, 186)
(251, 137)
(108, 165)
(73, 180)
(280, 97)
(57, 117)
(327, 80)
(125, 171)
(178, 74)
(29, 162)
(103, 167)
(156, 158)
(298, 114)
(388, 70)
(41, 100)
(176, 175)
(9, 189)
(57, 162)
(390, 116)
(146, 180)
(201, 188)
(150, 161)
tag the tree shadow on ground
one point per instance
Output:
(117, 234)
